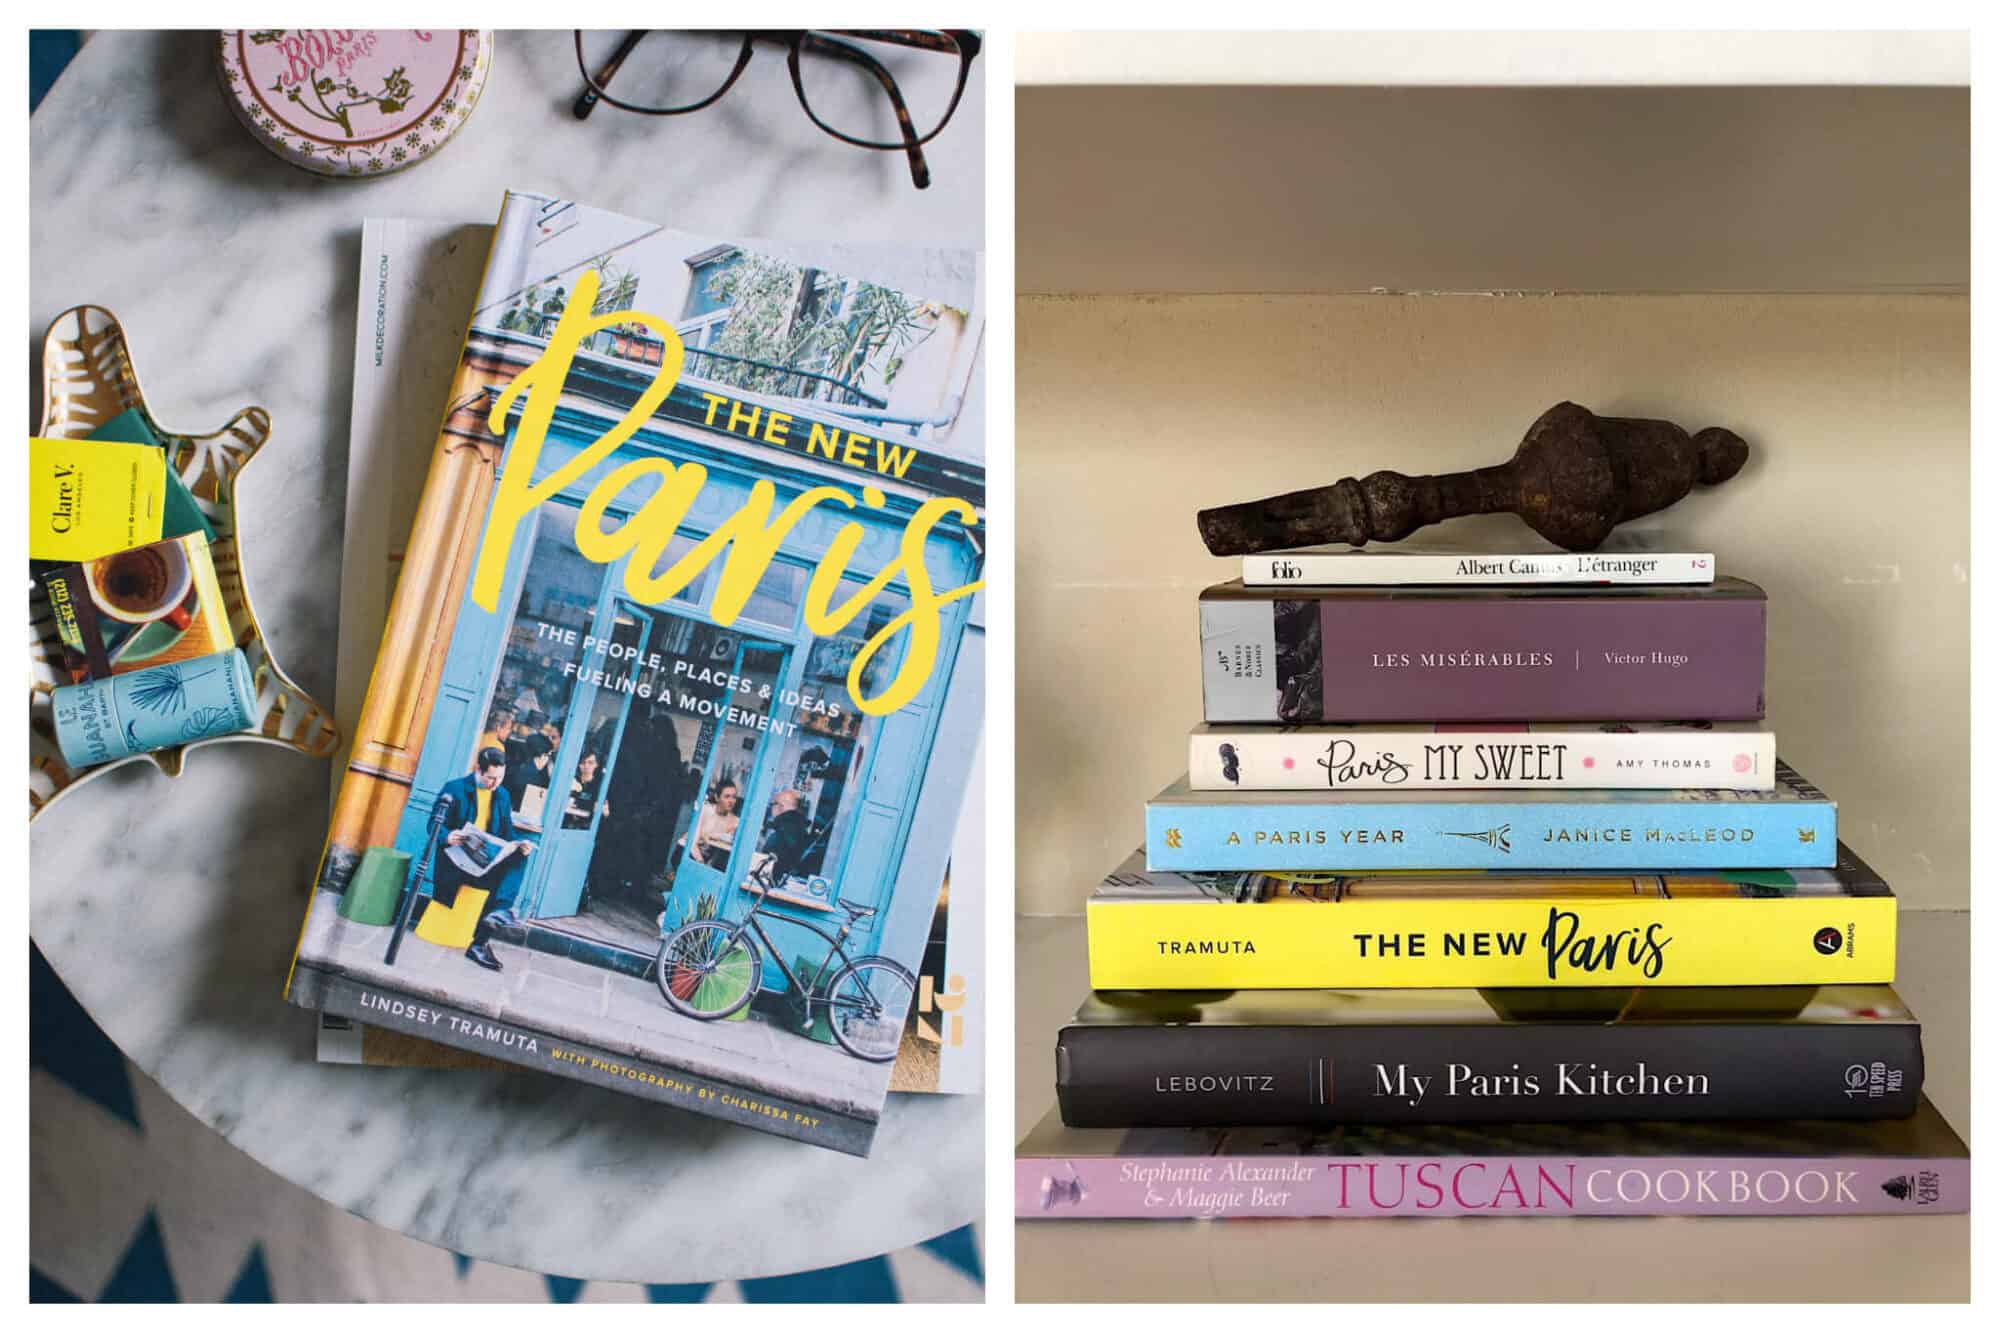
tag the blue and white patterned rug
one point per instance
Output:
(133, 1199)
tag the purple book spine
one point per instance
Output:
(1492, 659)
(1513, 1186)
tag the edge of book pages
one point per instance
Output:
(1925, 1134)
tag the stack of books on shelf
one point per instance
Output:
(1511, 936)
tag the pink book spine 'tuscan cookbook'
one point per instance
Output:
(1909, 1165)
(1543, 1186)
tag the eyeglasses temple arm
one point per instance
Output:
(586, 101)
(958, 41)
(920, 171)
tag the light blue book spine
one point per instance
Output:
(1491, 835)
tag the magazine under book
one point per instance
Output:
(690, 617)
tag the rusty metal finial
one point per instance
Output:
(1575, 477)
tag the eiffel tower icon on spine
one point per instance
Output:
(1495, 838)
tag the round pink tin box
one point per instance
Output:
(353, 101)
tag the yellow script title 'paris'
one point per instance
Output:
(750, 537)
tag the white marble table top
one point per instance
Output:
(170, 907)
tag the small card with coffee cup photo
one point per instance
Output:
(138, 608)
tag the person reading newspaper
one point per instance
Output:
(483, 849)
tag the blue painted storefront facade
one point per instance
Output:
(888, 842)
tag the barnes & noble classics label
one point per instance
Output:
(1239, 643)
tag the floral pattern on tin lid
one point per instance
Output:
(353, 101)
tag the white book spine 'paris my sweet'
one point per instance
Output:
(1740, 757)
(1363, 568)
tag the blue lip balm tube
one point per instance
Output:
(172, 704)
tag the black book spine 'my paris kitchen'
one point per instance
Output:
(1151, 1058)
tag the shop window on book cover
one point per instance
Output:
(833, 656)
(778, 596)
(826, 748)
(589, 775)
(553, 615)
(672, 756)
(558, 599)
(757, 760)
(758, 671)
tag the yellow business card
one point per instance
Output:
(88, 498)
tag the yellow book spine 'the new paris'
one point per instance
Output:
(1808, 940)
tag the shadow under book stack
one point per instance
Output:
(1539, 945)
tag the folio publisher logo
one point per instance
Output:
(1827, 940)
(1285, 569)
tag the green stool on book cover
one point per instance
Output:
(377, 887)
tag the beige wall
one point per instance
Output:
(1853, 514)
(1566, 189)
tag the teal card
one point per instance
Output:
(181, 514)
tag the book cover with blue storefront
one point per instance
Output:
(660, 763)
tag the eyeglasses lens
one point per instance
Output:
(667, 70)
(845, 93)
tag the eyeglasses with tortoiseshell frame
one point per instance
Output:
(891, 89)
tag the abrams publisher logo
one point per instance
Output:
(1830, 940)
